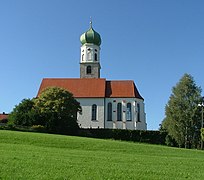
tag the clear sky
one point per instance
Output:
(153, 42)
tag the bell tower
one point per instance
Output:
(90, 54)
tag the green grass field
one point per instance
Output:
(45, 156)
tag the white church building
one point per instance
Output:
(105, 104)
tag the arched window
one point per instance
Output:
(119, 111)
(95, 57)
(82, 57)
(138, 112)
(129, 112)
(88, 70)
(109, 117)
(94, 112)
(89, 52)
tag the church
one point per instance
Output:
(112, 104)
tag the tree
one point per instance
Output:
(202, 134)
(23, 113)
(58, 110)
(182, 120)
(55, 109)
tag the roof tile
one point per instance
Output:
(80, 88)
(122, 89)
(3, 116)
(93, 88)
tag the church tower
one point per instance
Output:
(90, 54)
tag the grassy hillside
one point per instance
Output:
(44, 156)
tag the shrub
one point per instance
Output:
(170, 141)
(38, 128)
(4, 121)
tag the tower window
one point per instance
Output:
(89, 55)
(129, 112)
(109, 117)
(96, 50)
(88, 70)
(119, 111)
(82, 57)
(95, 57)
(94, 112)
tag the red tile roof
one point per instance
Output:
(87, 88)
(3, 116)
(80, 88)
(126, 89)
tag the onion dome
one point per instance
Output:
(91, 36)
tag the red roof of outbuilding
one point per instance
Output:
(3, 116)
(87, 88)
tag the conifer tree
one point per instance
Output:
(182, 120)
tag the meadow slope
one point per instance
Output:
(26, 155)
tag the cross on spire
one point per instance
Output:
(90, 22)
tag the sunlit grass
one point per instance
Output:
(45, 156)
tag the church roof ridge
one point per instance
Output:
(75, 78)
(120, 80)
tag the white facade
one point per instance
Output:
(134, 119)
(85, 120)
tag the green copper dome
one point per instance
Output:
(91, 36)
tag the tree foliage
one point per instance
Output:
(23, 113)
(182, 120)
(55, 109)
(58, 110)
(202, 133)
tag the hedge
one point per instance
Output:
(152, 137)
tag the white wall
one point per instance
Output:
(88, 56)
(124, 124)
(84, 120)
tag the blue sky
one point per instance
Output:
(153, 42)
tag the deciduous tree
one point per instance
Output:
(58, 110)
(55, 109)
(23, 113)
